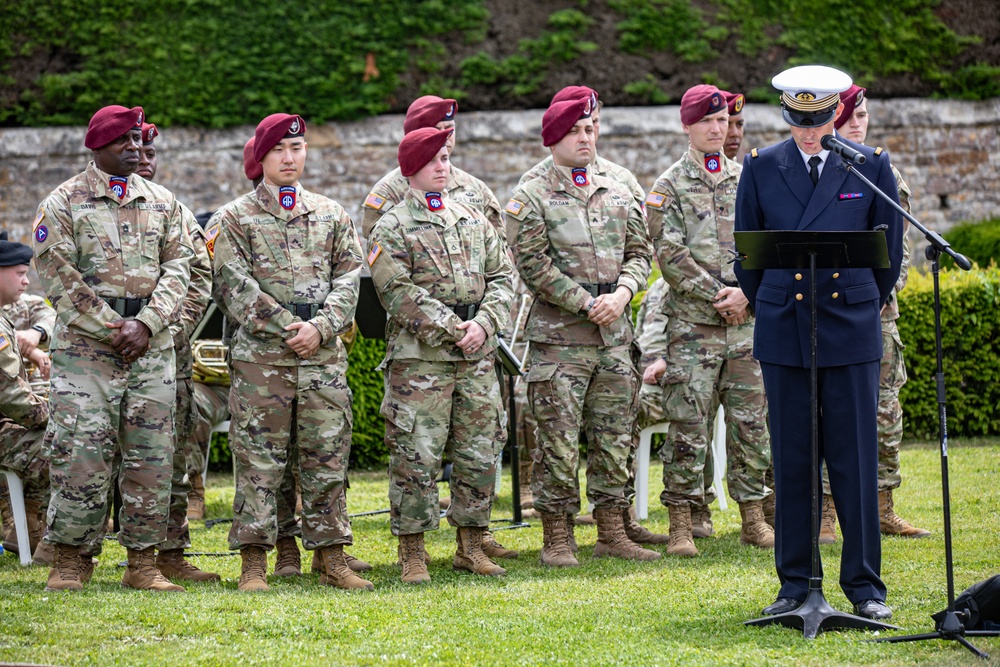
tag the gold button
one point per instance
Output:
(798, 276)
(836, 294)
(836, 275)
(798, 297)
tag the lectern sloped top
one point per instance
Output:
(792, 249)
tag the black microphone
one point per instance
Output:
(832, 143)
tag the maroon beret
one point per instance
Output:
(851, 98)
(560, 117)
(110, 123)
(418, 148)
(735, 102)
(273, 129)
(428, 111)
(700, 101)
(251, 167)
(149, 132)
(575, 93)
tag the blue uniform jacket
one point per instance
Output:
(776, 193)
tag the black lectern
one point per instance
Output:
(814, 250)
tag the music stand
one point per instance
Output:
(814, 250)
(511, 366)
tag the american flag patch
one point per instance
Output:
(4, 342)
(655, 199)
(514, 207)
(38, 219)
(851, 195)
(374, 201)
(373, 255)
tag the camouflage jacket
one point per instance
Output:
(424, 262)
(691, 215)
(17, 401)
(891, 310)
(198, 296)
(32, 311)
(651, 323)
(566, 236)
(89, 245)
(599, 166)
(463, 188)
(265, 256)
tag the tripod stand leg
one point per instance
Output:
(816, 614)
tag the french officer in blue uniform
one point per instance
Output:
(798, 185)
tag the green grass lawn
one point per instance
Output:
(607, 612)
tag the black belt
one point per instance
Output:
(597, 289)
(125, 307)
(465, 310)
(728, 284)
(304, 311)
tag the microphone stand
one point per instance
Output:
(951, 626)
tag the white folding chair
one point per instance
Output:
(16, 489)
(642, 460)
(221, 427)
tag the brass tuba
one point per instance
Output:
(209, 365)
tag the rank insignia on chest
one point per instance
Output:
(375, 252)
(374, 201)
(434, 201)
(851, 195)
(286, 197)
(118, 185)
(713, 163)
(580, 177)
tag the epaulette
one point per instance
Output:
(753, 153)
(878, 150)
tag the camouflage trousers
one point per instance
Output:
(573, 388)
(101, 406)
(22, 450)
(178, 535)
(436, 410)
(709, 365)
(285, 417)
(892, 377)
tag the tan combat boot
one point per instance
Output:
(469, 555)
(399, 555)
(556, 550)
(44, 554)
(681, 540)
(891, 523)
(253, 576)
(288, 559)
(142, 574)
(356, 564)
(828, 521)
(612, 539)
(768, 507)
(571, 533)
(494, 549)
(412, 557)
(637, 533)
(337, 573)
(701, 521)
(36, 523)
(524, 476)
(196, 498)
(87, 565)
(7, 515)
(755, 531)
(65, 572)
(172, 565)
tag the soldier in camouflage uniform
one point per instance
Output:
(442, 273)
(710, 330)
(287, 263)
(114, 259)
(853, 125)
(24, 412)
(581, 247)
(170, 556)
(431, 111)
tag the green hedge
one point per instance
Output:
(970, 318)
(979, 241)
(367, 445)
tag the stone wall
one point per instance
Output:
(948, 151)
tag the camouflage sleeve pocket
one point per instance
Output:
(541, 372)
(402, 416)
(239, 410)
(678, 404)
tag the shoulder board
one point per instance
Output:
(753, 153)
(878, 150)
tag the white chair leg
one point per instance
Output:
(642, 475)
(719, 456)
(20, 516)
